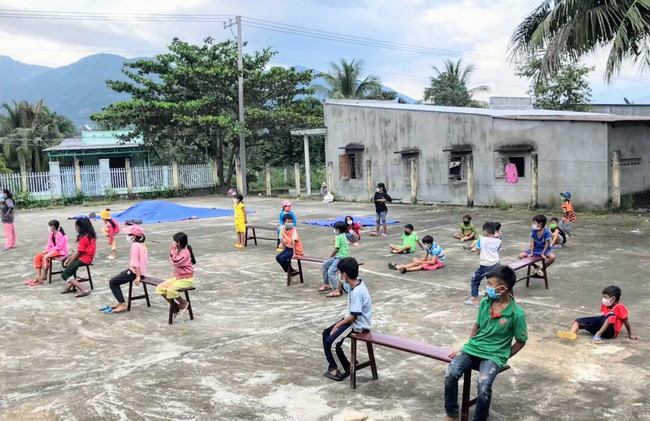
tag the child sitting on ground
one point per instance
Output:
(498, 322)
(357, 319)
(341, 250)
(488, 251)
(558, 237)
(57, 246)
(433, 259)
(291, 244)
(467, 229)
(540, 243)
(354, 231)
(569, 214)
(110, 229)
(286, 209)
(606, 326)
(409, 241)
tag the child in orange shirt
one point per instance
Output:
(569, 214)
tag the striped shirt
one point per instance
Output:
(569, 212)
(436, 250)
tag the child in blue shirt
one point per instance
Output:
(357, 319)
(540, 242)
(433, 259)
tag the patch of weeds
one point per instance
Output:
(111, 195)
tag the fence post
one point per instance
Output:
(534, 181)
(77, 177)
(105, 174)
(469, 163)
(215, 173)
(56, 189)
(330, 177)
(307, 166)
(175, 182)
(129, 176)
(414, 181)
(267, 171)
(369, 184)
(296, 171)
(286, 175)
(616, 180)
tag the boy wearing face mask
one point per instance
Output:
(290, 243)
(606, 326)
(329, 267)
(558, 235)
(498, 322)
(357, 319)
(540, 242)
(467, 230)
(409, 241)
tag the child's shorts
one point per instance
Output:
(593, 325)
(539, 253)
(381, 216)
(434, 266)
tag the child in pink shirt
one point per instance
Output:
(57, 247)
(110, 229)
(136, 271)
(182, 257)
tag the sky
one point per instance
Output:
(478, 31)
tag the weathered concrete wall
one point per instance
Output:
(572, 155)
(633, 140)
(622, 109)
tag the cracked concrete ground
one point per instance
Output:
(254, 350)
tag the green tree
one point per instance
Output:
(184, 102)
(27, 129)
(344, 80)
(562, 31)
(450, 87)
(568, 89)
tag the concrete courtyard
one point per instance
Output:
(254, 350)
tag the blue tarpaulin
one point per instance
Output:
(366, 221)
(156, 211)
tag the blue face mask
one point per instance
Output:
(491, 292)
(2, 196)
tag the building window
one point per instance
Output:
(350, 166)
(520, 163)
(457, 167)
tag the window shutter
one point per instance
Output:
(344, 167)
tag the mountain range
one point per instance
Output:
(76, 90)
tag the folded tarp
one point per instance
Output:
(156, 211)
(363, 220)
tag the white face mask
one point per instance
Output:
(378, 190)
(607, 301)
(341, 278)
(535, 227)
(234, 201)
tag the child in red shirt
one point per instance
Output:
(606, 326)
(354, 231)
(85, 254)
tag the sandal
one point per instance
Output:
(324, 288)
(82, 294)
(392, 266)
(333, 295)
(67, 291)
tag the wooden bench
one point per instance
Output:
(413, 347)
(306, 259)
(255, 237)
(154, 283)
(51, 271)
(528, 262)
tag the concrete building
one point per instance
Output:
(458, 155)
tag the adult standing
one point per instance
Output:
(8, 206)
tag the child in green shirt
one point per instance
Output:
(467, 229)
(409, 241)
(498, 322)
(341, 250)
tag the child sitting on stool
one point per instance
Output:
(290, 243)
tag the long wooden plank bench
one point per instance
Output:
(256, 237)
(412, 347)
(529, 263)
(145, 296)
(306, 259)
(51, 271)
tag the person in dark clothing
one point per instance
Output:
(380, 199)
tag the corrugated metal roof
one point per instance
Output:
(552, 115)
(77, 144)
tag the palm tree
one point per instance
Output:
(558, 31)
(344, 81)
(449, 87)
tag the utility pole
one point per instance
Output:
(241, 159)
